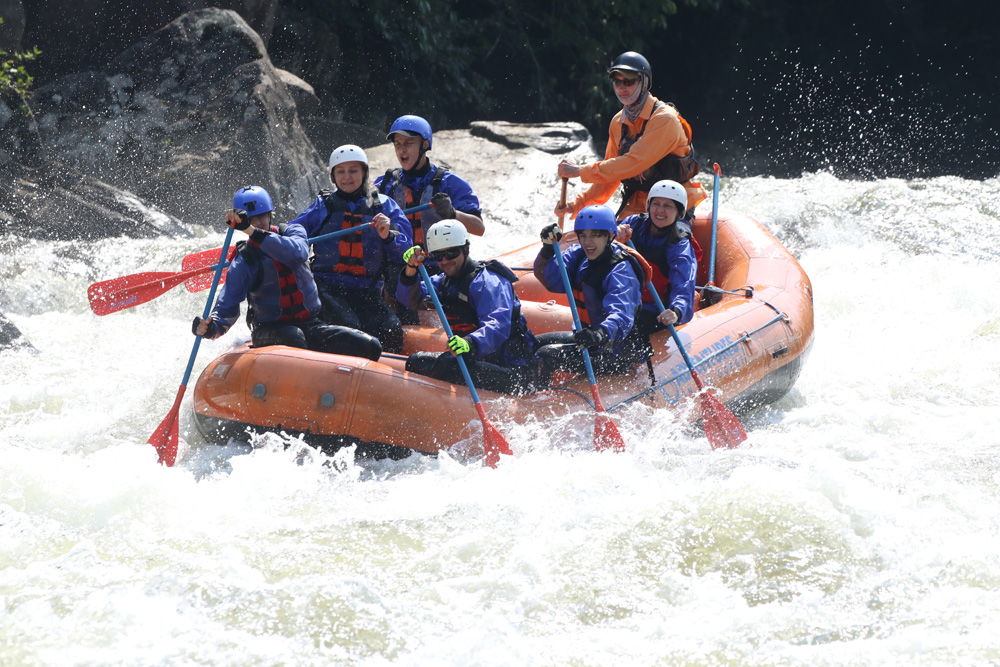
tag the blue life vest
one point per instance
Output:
(354, 260)
(279, 293)
(393, 186)
(464, 318)
(654, 250)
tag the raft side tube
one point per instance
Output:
(283, 388)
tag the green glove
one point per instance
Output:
(408, 255)
(458, 345)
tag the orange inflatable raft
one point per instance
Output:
(749, 347)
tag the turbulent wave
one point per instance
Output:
(861, 528)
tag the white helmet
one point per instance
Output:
(445, 234)
(670, 190)
(347, 153)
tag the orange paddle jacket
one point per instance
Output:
(664, 134)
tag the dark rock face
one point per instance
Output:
(304, 95)
(69, 31)
(11, 337)
(12, 13)
(183, 119)
(308, 47)
(60, 203)
(555, 138)
(161, 137)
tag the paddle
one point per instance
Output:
(605, 432)
(562, 201)
(207, 257)
(164, 438)
(201, 260)
(721, 426)
(715, 223)
(110, 296)
(494, 442)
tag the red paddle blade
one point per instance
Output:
(110, 296)
(164, 438)
(204, 260)
(202, 282)
(606, 434)
(494, 444)
(721, 425)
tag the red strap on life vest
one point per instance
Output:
(352, 250)
(291, 298)
(418, 230)
(581, 307)
(647, 268)
(660, 283)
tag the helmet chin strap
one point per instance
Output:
(417, 170)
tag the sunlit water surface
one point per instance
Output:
(861, 528)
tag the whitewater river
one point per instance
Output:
(861, 528)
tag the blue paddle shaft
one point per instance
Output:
(447, 329)
(351, 230)
(715, 228)
(670, 327)
(208, 304)
(572, 307)
(337, 234)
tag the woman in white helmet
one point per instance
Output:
(482, 309)
(348, 270)
(663, 238)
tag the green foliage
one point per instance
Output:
(14, 77)
(15, 81)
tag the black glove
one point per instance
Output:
(258, 236)
(590, 338)
(210, 333)
(442, 206)
(551, 233)
(244, 220)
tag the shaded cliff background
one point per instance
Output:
(863, 88)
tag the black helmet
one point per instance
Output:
(630, 61)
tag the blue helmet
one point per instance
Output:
(253, 199)
(598, 217)
(412, 126)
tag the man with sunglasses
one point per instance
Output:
(648, 141)
(482, 309)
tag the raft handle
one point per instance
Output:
(744, 338)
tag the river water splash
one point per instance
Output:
(861, 528)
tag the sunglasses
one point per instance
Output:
(623, 82)
(450, 253)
